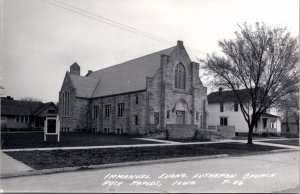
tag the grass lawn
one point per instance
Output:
(293, 142)
(85, 157)
(36, 140)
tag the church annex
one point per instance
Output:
(139, 96)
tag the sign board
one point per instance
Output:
(52, 127)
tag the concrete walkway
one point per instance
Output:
(166, 143)
(158, 140)
(277, 145)
(11, 165)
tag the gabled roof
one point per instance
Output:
(18, 107)
(227, 96)
(43, 107)
(125, 77)
(85, 86)
(268, 115)
(128, 76)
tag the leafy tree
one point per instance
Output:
(261, 60)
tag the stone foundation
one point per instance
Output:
(181, 131)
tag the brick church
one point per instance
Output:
(140, 96)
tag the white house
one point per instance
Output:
(224, 110)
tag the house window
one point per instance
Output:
(107, 109)
(221, 107)
(136, 99)
(136, 119)
(51, 111)
(223, 121)
(180, 76)
(95, 111)
(236, 106)
(168, 114)
(197, 116)
(22, 119)
(121, 107)
(156, 118)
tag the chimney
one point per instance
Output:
(180, 44)
(88, 73)
(9, 98)
(220, 91)
(75, 69)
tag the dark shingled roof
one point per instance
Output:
(17, 107)
(125, 77)
(227, 96)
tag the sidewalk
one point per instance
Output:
(11, 165)
(166, 143)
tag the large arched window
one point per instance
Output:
(180, 76)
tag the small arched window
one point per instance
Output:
(180, 76)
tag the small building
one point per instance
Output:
(140, 96)
(224, 110)
(24, 115)
(290, 124)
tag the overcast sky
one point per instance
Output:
(40, 40)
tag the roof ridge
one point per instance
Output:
(131, 60)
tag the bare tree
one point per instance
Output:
(30, 99)
(261, 60)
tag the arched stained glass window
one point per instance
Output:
(180, 76)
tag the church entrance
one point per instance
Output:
(180, 117)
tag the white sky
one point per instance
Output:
(40, 41)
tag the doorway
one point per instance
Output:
(264, 120)
(180, 117)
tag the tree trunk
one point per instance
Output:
(250, 135)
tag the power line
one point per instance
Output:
(111, 22)
(114, 22)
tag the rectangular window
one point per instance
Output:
(136, 99)
(197, 116)
(236, 106)
(22, 119)
(107, 109)
(223, 121)
(63, 104)
(156, 118)
(168, 114)
(201, 121)
(68, 110)
(95, 111)
(136, 119)
(50, 111)
(121, 107)
(221, 107)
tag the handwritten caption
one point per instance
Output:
(179, 179)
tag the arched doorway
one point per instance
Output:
(181, 110)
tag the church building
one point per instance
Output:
(140, 96)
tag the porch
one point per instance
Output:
(268, 124)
